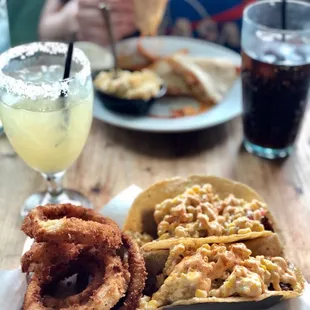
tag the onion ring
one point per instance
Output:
(67, 223)
(113, 286)
(82, 297)
(72, 240)
(137, 271)
(98, 273)
(43, 256)
(44, 259)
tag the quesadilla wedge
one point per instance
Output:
(198, 210)
(149, 15)
(209, 79)
(176, 84)
(206, 79)
(220, 274)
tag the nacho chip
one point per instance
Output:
(149, 15)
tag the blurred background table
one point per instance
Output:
(115, 158)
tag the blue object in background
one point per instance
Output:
(215, 21)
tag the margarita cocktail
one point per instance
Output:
(46, 119)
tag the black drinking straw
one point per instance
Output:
(283, 17)
(68, 61)
(66, 76)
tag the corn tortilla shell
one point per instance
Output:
(267, 246)
(141, 214)
(166, 243)
(281, 294)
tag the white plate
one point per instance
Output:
(229, 108)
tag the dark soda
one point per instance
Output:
(274, 100)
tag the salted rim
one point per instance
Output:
(50, 90)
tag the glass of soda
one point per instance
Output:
(275, 74)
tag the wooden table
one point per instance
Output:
(115, 158)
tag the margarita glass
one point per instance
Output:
(46, 119)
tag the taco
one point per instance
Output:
(220, 275)
(199, 210)
(156, 260)
(176, 84)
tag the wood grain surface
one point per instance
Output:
(115, 158)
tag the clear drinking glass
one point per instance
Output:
(275, 74)
(46, 119)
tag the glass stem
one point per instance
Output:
(54, 183)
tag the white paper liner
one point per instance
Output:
(13, 282)
(13, 287)
(117, 209)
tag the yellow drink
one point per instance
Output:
(45, 116)
(48, 140)
(48, 134)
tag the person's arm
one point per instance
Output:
(58, 22)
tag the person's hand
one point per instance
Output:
(69, 13)
(92, 25)
(58, 22)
